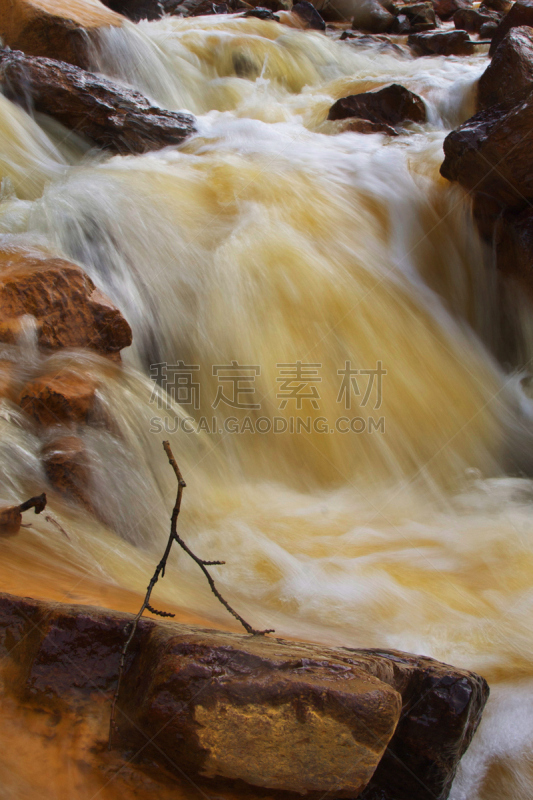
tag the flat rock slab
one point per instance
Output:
(54, 28)
(114, 117)
(275, 714)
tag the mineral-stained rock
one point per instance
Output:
(69, 310)
(491, 153)
(445, 9)
(67, 468)
(511, 69)
(116, 118)
(266, 711)
(520, 13)
(468, 19)
(54, 28)
(449, 43)
(392, 105)
(60, 398)
(309, 15)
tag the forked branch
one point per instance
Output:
(160, 573)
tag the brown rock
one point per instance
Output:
(69, 310)
(59, 399)
(468, 19)
(356, 125)
(308, 14)
(372, 17)
(491, 153)
(138, 9)
(450, 43)
(510, 71)
(11, 516)
(421, 16)
(486, 212)
(392, 105)
(116, 118)
(54, 28)
(445, 9)
(7, 379)
(501, 6)
(236, 697)
(514, 246)
(520, 13)
(488, 29)
(67, 468)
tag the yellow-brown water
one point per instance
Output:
(270, 238)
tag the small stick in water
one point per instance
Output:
(160, 572)
(11, 516)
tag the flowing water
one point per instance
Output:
(355, 508)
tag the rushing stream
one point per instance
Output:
(388, 502)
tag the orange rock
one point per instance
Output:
(7, 371)
(61, 398)
(10, 520)
(70, 311)
(54, 28)
(67, 468)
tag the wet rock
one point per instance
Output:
(60, 398)
(491, 153)
(421, 16)
(138, 9)
(308, 14)
(262, 13)
(116, 118)
(520, 13)
(501, 6)
(207, 8)
(486, 212)
(69, 310)
(449, 43)
(265, 711)
(59, 29)
(471, 20)
(488, 29)
(445, 9)
(514, 246)
(357, 125)
(511, 69)
(66, 465)
(370, 16)
(392, 105)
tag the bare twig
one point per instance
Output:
(51, 519)
(38, 503)
(160, 573)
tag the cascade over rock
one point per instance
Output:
(116, 118)
(54, 28)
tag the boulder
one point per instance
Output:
(421, 16)
(66, 465)
(491, 153)
(61, 398)
(138, 9)
(265, 13)
(510, 71)
(445, 9)
(468, 19)
(69, 310)
(115, 118)
(450, 43)
(501, 6)
(520, 13)
(370, 16)
(488, 29)
(275, 714)
(54, 28)
(392, 105)
(309, 16)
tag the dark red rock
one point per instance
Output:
(309, 15)
(501, 6)
(392, 105)
(112, 116)
(514, 246)
(491, 153)
(468, 19)
(137, 9)
(445, 9)
(510, 71)
(520, 13)
(448, 43)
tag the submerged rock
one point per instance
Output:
(510, 71)
(449, 43)
(69, 311)
(275, 714)
(392, 105)
(67, 467)
(357, 125)
(114, 117)
(59, 29)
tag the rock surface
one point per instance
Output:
(267, 707)
(521, 13)
(392, 105)
(68, 309)
(471, 20)
(309, 15)
(370, 16)
(445, 9)
(449, 43)
(491, 153)
(510, 71)
(54, 28)
(137, 9)
(421, 16)
(114, 117)
(60, 398)
(67, 468)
